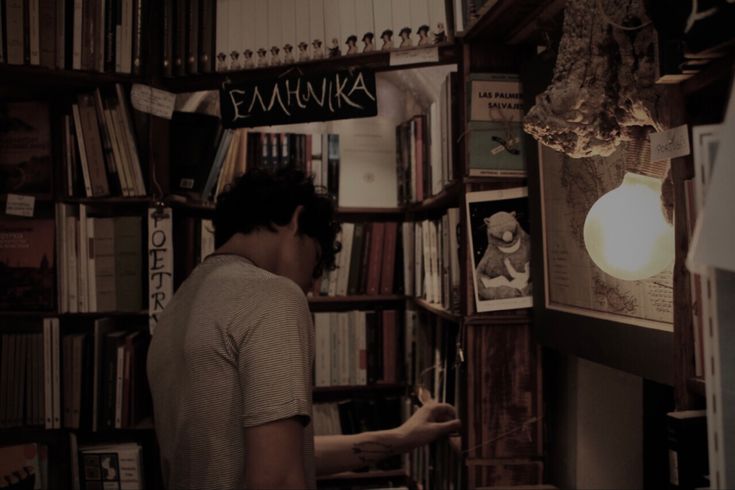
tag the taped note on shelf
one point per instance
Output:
(152, 100)
(414, 56)
(18, 205)
(672, 143)
(160, 263)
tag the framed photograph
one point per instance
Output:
(603, 326)
(572, 281)
(501, 249)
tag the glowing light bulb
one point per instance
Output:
(626, 233)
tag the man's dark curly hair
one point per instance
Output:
(261, 198)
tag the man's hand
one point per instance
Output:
(432, 421)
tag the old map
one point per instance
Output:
(573, 282)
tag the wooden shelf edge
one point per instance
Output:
(447, 197)
(437, 310)
(361, 388)
(377, 61)
(499, 317)
(355, 475)
(72, 79)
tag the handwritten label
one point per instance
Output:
(414, 56)
(152, 100)
(18, 205)
(672, 143)
(160, 263)
(324, 97)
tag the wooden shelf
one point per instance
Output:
(437, 310)
(110, 201)
(448, 197)
(513, 21)
(57, 80)
(377, 61)
(504, 317)
(347, 389)
(698, 386)
(368, 475)
(717, 70)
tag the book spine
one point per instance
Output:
(375, 262)
(389, 257)
(77, 28)
(221, 34)
(76, 376)
(47, 16)
(119, 376)
(390, 338)
(206, 35)
(180, 39)
(48, 390)
(3, 56)
(56, 360)
(138, 22)
(14, 31)
(192, 46)
(34, 40)
(84, 163)
(109, 34)
(167, 35)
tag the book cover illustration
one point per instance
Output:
(27, 275)
(501, 248)
(25, 148)
(23, 466)
(495, 114)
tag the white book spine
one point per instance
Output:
(83, 245)
(72, 247)
(332, 32)
(383, 22)
(275, 32)
(317, 39)
(323, 349)
(346, 352)
(127, 131)
(33, 31)
(420, 22)
(303, 40)
(336, 351)
(361, 334)
(56, 360)
(454, 270)
(365, 26)
(117, 154)
(222, 35)
(248, 45)
(261, 33)
(352, 352)
(234, 35)
(348, 27)
(48, 387)
(82, 150)
(91, 267)
(403, 34)
(120, 370)
(418, 255)
(288, 29)
(435, 149)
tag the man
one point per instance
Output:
(230, 363)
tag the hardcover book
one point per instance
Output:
(25, 148)
(27, 273)
(495, 117)
(193, 147)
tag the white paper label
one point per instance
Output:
(160, 263)
(18, 205)
(672, 143)
(414, 56)
(152, 100)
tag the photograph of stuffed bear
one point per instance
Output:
(501, 248)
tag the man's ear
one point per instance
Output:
(293, 225)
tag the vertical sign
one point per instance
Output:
(160, 263)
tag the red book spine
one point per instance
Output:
(389, 258)
(374, 263)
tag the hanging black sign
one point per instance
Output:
(338, 95)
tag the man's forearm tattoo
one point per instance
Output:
(372, 452)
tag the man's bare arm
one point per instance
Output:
(274, 455)
(346, 452)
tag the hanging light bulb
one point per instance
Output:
(626, 233)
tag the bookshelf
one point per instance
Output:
(499, 41)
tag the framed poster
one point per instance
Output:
(641, 344)
(572, 281)
(501, 249)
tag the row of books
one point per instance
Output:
(99, 150)
(100, 266)
(431, 260)
(242, 34)
(30, 383)
(206, 158)
(424, 150)
(91, 35)
(367, 262)
(356, 348)
(24, 466)
(75, 380)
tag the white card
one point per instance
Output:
(18, 205)
(672, 143)
(414, 56)
(152, 100)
